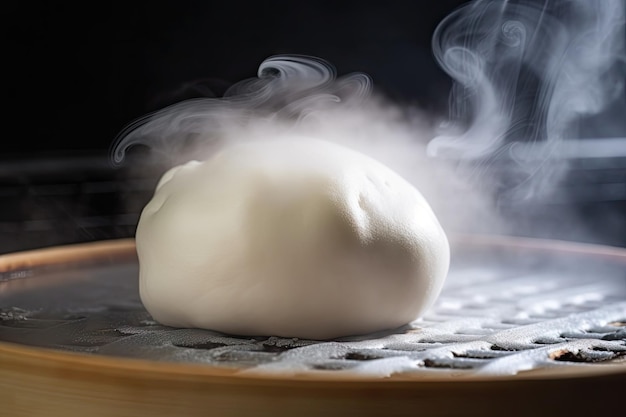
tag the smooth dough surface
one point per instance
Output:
(294, 238)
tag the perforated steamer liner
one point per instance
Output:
(520, 321)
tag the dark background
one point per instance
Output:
(76, 74)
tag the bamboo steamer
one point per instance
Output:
(45, 382)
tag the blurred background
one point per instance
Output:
(78, 74)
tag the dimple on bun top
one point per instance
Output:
(295, 238)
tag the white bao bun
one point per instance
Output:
(295, 238)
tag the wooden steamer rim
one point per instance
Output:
(37, 381)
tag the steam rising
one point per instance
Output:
(300, 96)
(527, 70)
(523, 71)
(289, 88)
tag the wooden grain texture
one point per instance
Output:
(36, 382)
(41, 382)
(114, 250)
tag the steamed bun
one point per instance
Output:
(294, 238)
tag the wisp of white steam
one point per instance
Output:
(527, 71)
